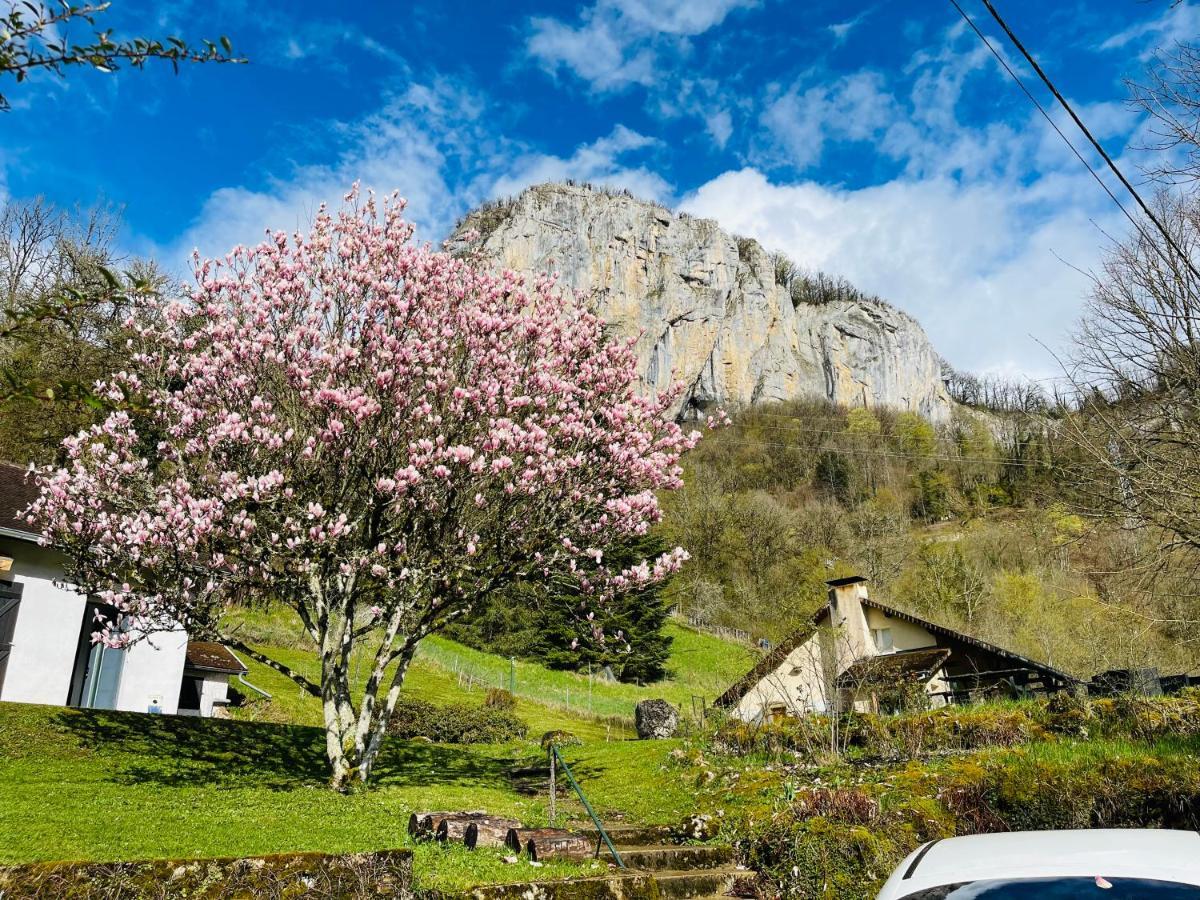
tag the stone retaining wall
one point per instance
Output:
(320, 876)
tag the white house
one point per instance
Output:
(858, 653)
(46, 651)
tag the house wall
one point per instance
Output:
(47, 631)
(798, 683)
(905, 635)
(152, 673)
(46, 638)
(214, 690)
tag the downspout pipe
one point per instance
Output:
(242, 676)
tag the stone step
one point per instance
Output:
(638, 835)
(621, 886)
(617, 885)
(674, 885)
(677, 857)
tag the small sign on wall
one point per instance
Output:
(6, 563)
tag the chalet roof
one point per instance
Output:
(783, 650)
(209, 656)
(17, 491)
(904, 665)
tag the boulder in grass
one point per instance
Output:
(656, 719)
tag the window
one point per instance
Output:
(883, 639)
(97, 675)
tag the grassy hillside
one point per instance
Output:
(109, 786)
(702, 666)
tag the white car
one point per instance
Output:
(1104, 864)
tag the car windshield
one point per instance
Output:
(1098, 887)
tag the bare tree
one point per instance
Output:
(62, 304)
(1170, 97)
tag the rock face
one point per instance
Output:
(706, 308)
(655, 719)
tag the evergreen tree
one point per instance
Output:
(550, 624)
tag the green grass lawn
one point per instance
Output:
(701, 667)
(109, 786)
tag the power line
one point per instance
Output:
(1086, 133)
(1032, 99)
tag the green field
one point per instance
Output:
(110, 786)
(701, 667)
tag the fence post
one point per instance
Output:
(553, 759)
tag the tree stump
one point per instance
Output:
(655, 719)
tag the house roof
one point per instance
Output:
(783, 650)
(1025, 661)
(17, 491)
(905, 665)
(209, 656)
(771, 661)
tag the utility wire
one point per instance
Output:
(1082, 127)
(1032, 99)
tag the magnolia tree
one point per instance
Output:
(373, 433)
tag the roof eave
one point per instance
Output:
(18, 534)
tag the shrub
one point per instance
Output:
(455, 723)
(843, 841)
(499, 698)
(559, 739)
(804, 735)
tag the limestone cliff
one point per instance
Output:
(707, 306)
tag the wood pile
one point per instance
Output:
(481, 829)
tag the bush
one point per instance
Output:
(843, 841)
(455, 723)
(499, 698)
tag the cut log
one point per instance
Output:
(453, 828)
(422, 826)
(554, 843)
(488, 832)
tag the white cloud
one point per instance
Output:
(597, 162)
(854, 108)
(413, 144)
(617, 43)
(434, 143)
(720, 127)
(1178, 22)
(977, 264)
(686, 17)
(596, 51)
(841, 30)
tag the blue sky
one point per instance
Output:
(878, 141)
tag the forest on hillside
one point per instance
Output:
(974, 525)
